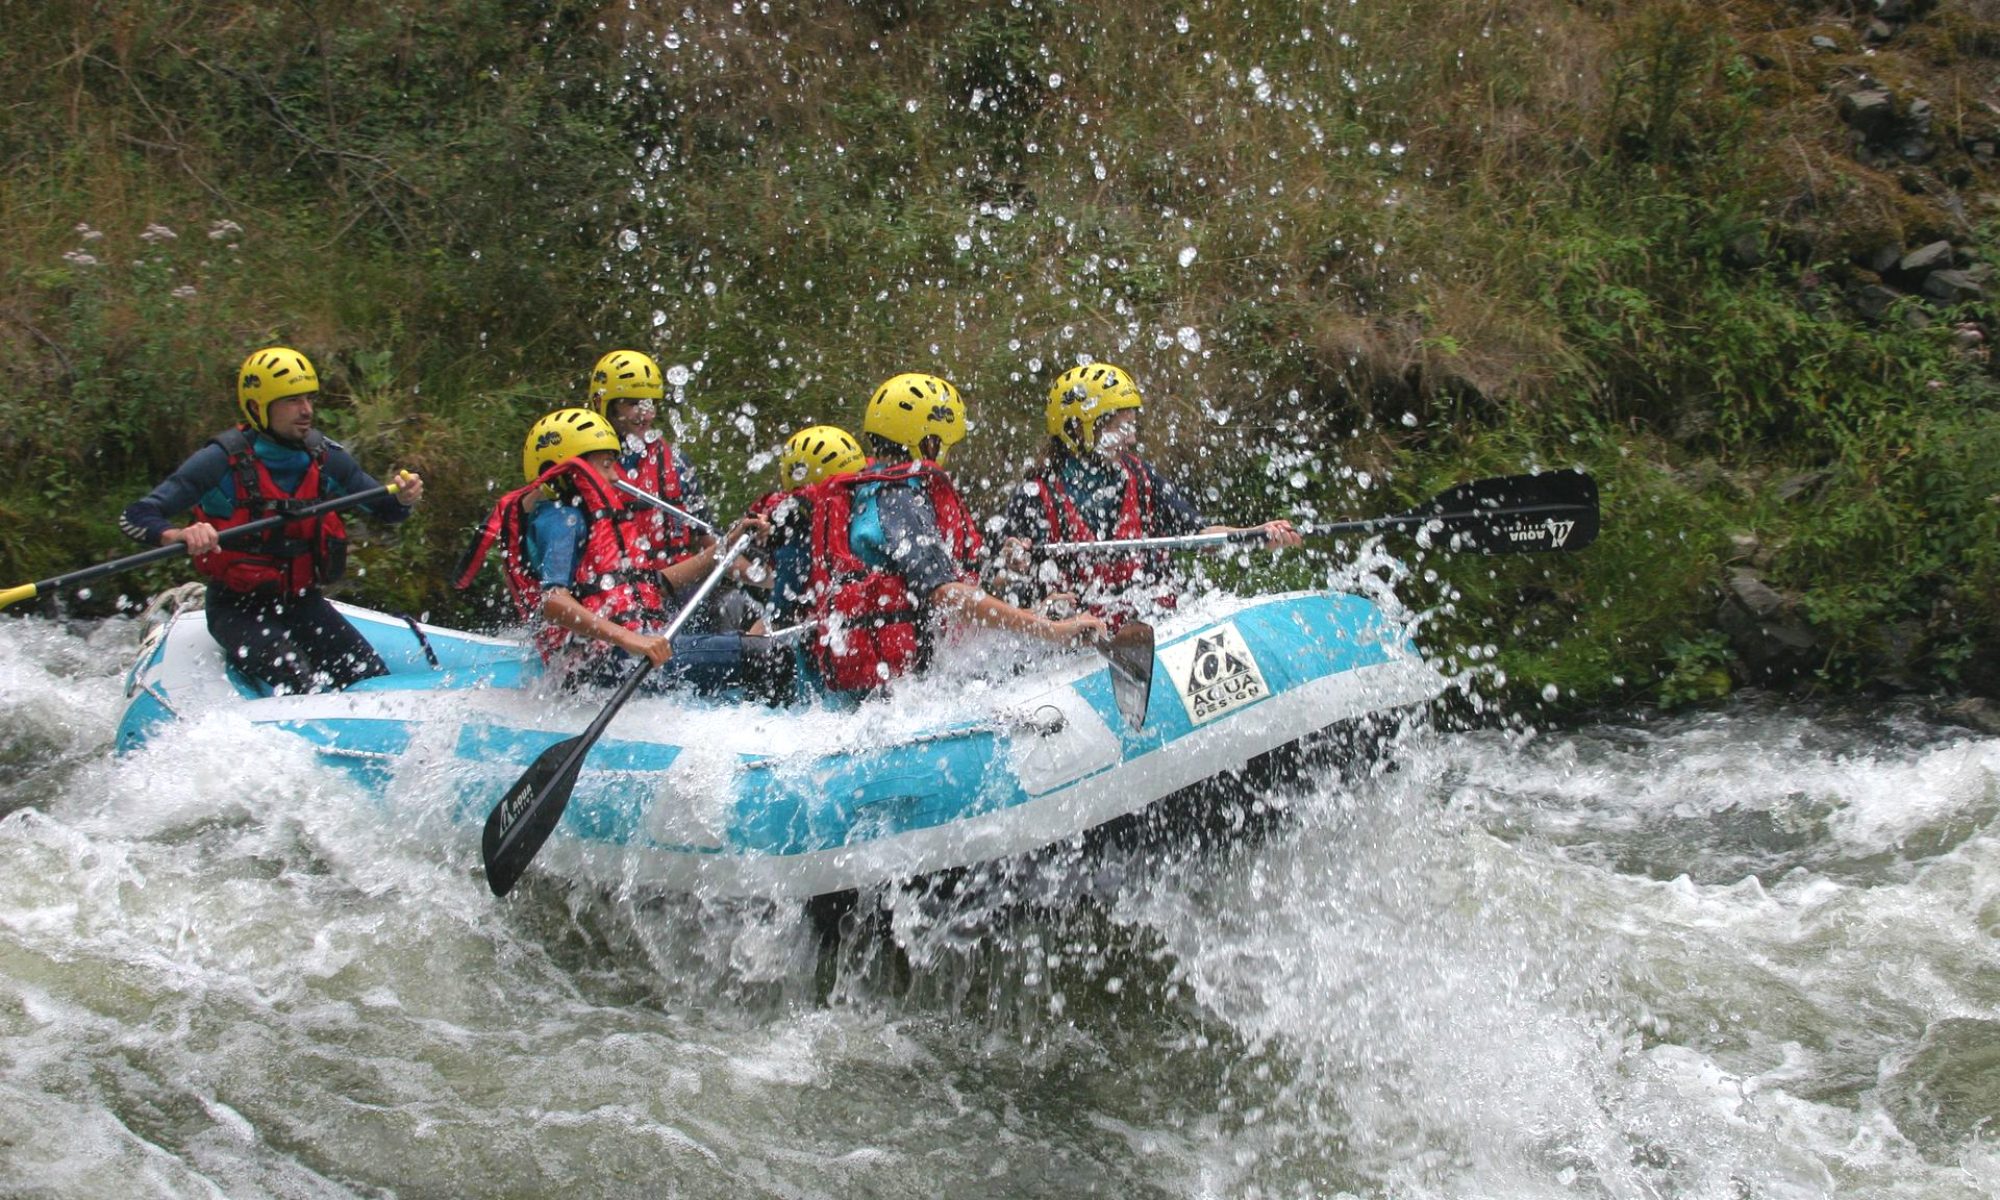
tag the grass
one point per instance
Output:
(1423, 241)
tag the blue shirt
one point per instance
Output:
(206, 480)
(555, 543)
(791, 562)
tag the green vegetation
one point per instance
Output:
(1410, 242)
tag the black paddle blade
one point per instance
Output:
(1518, 514)
(1129, 653)
(527, 814)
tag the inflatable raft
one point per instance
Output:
(696, 794)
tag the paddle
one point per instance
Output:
(1510, 514)
(528, 813)
(28, 591)
(1129, 654)
(645, 497)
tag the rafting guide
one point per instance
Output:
(276, 476)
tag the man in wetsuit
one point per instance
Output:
(265, 603)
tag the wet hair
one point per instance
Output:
(895, 452)
(1054, 455)
(883, 448)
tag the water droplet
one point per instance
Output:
(1187, 256)
(628, 240)
(678, 375)
(659, 318)
(1180, 24)
(1190, 340)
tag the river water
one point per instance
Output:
(1753, 953)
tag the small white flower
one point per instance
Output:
(79, 258)
(183, 292)
(88, 234)
(158, 233)
(222, 229)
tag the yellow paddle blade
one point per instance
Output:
(14, 595)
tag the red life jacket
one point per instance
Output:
(869, 627)
(605, 582)
(1104, 582)
(665, 540)
(296, 556)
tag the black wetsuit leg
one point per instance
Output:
(293, 643)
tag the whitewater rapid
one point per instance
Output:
(1746, 953)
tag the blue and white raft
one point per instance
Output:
(699, 795)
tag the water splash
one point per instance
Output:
(1746, 953)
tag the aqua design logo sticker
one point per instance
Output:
(1214, 672)
(1555, 533)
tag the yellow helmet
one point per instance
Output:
(561, 436)
(270, 375)
(911, 407)
(624, 375)
(1086, 395)
(817, 452)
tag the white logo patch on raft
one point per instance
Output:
(1214, 672)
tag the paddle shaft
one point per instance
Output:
(645, 497)
(28, 591)
(1419, 520)
(1246, 537)
(1557, 496)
